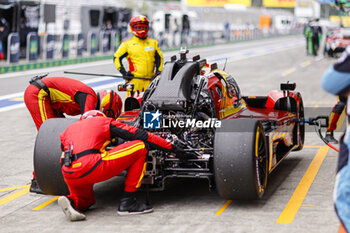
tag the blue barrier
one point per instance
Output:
(65, 46)
(13, 48)
(80, 44)
(49, 46)
(32, 46)
(104, 42)
(115, 42)
(92, 43)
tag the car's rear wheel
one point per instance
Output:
(240, 159)
(47, 153)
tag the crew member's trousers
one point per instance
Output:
(130, 156)
(335, 114)
(38, 104)
(139, 85)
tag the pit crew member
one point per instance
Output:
(142, 53)
(52, 96)
(86, 161)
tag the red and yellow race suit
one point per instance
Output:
(51, 97)
(335, 114)
(144, 58)
(92, 163)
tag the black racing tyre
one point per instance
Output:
(330, 53)
(299, 129)
(240, 159)
(47, 153)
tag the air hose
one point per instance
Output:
(316, 122)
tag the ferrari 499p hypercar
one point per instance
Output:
(233, 141)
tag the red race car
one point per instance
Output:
(336, 41)
(234, 141)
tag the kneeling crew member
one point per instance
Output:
(86, 162)
(50, 97)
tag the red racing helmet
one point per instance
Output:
(110, 103)
(139, 26)
(92, 113)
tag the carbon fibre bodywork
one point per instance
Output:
(192, 89)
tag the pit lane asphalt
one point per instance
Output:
(305, 179)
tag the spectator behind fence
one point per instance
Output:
(227, 30)
(185, 29)
(108, 28)
(4, 32)
(307, 34)
(316, 36)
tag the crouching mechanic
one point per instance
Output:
(50, 97)
(142, 53)
(86, 161)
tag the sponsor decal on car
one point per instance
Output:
(155, 120)
(151, 120)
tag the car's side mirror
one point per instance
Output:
(126, 87)
(288, 86)
(121, 87)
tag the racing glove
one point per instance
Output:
(179, 152)
(117, 141)
(128, 76)
(179, 149)
(156, 74)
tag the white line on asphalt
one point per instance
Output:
(52, 69)
(93, 80)
(20, 94)
(88, 81)
(13, 95)
(238, 56)
(12, 107)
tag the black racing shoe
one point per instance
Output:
(68, 209)
(34, 187)
(129, 206)
(330, 137)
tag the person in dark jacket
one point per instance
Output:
(4, 32)
(336, 80)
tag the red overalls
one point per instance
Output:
(88, 139)
(61, 95)
(335, 114)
